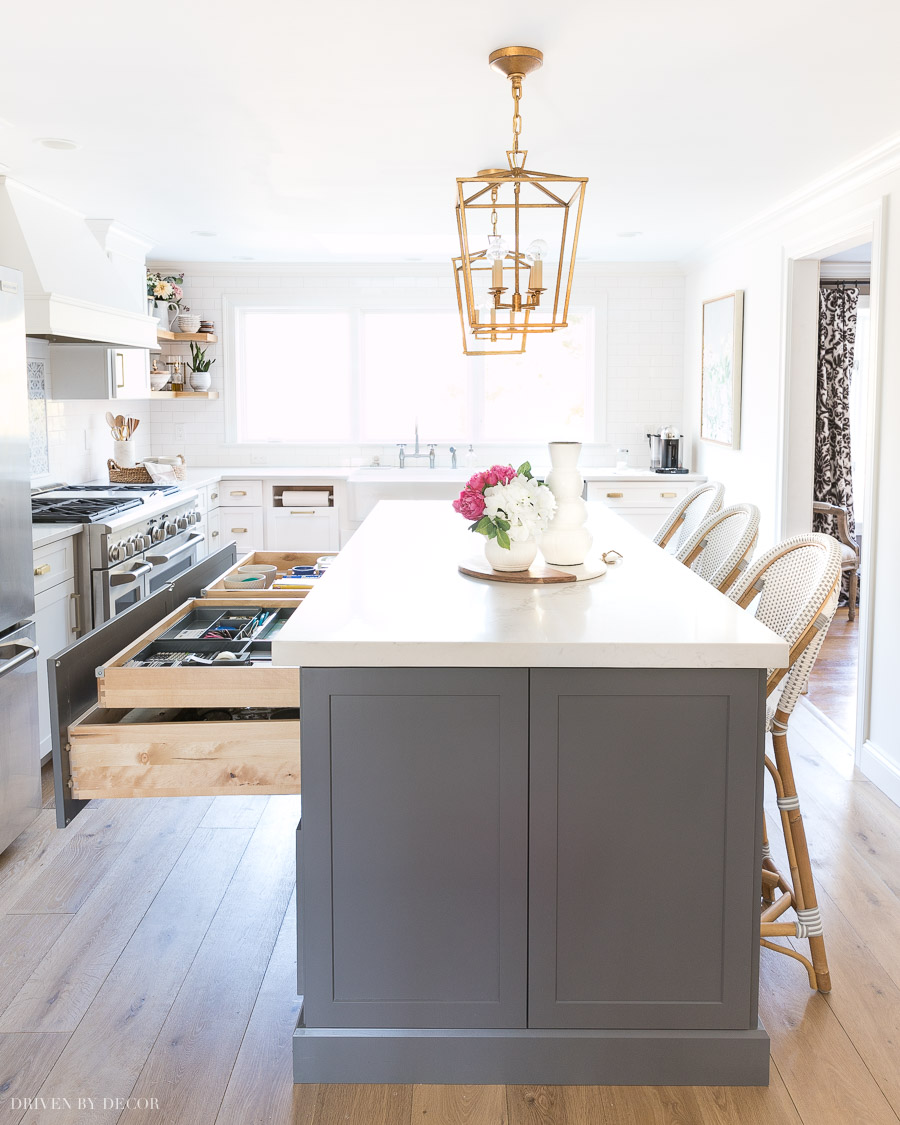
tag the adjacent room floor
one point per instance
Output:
(832, 685)
(149, 952)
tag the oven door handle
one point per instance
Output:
(27, 651)
(193, 539)
(123, 579)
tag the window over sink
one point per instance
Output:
(367, 375)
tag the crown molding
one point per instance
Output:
(862, 169)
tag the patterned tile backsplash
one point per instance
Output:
(37, 418)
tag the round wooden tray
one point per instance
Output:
(539, 573)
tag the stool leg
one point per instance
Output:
(795, 840)
(854, 586)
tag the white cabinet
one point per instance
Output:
(96, 371)
(214, 538)
(644, 504)
(240, 493)
(243, 525)
(302, 529)
(56, 619)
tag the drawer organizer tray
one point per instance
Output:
(206, 653)
(177, 752)
(283, 561)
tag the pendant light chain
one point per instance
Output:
(517, 117)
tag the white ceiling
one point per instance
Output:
(328, 130)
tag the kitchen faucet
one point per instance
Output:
(404, 456)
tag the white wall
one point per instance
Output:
(754, 262)
(640, 373)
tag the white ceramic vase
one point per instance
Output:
(520, 555)
(566, 541)
(200, 380)
(163, 314)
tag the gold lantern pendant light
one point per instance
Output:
(518, 233)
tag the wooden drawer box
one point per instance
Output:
(161, 753)
(284, 560)
(254, 685)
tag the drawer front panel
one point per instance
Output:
(53, 564)
(110, 758)
(243, 525)
(302, 529)
(240, 493)
(663, 495)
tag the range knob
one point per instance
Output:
(183, 522)
(118, 552)
(157, 533)
(143, 541)
(133, 545)
(194, 517)
(170, 530)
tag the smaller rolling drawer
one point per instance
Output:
(240, 493)
(146, 674)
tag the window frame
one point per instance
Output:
(341, 298)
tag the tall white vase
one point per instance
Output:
(566, 541)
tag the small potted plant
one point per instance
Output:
(200, 365)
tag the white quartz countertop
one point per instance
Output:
(200, 475)
(394, 598)
(44, 533)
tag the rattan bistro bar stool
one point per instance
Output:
(796, 587)
(721, 547)
(686, 517)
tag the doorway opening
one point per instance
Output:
(827, 461)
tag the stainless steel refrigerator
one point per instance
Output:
(20, 777)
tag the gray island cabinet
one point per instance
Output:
(531, 823)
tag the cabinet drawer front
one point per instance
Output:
(110, 757)
(240, 493)
(243, 525)
(214, 495)
(53, 564)
(663, 495)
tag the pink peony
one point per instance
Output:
(476, 482)
(505, 473)
(470, 504)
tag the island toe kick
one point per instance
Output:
(514, 875)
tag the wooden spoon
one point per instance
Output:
(110, 420)
(135, 422)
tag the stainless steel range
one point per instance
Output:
(139, 537)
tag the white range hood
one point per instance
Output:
(73, 291)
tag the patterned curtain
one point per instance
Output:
(833, 481)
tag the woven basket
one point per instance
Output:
(139, 475)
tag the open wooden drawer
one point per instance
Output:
(176, 753)
(148, 672)
(283, 560)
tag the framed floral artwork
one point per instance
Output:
(720, 375)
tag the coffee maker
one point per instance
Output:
(665, 451)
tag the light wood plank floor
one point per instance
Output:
(149, 953)
(832, 685)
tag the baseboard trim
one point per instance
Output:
(533, 1056)
(881, 770)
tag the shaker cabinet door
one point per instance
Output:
(644, 821)
(414, 864)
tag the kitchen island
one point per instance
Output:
(532, 818)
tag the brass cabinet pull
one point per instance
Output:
(120, 381)
(44, 569)
(238, 492)
(615, 495)
(214, 496)
(239, 531)
(668, 495)
(213, 534)
(304, 512)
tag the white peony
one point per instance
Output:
(526, 504)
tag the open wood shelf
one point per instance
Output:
(184, 394)
(200, 337)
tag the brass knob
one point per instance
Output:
(43, 569)
(615, 495)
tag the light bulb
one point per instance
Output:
(535, 255)
(496, 247)
(495, 254)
